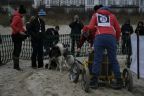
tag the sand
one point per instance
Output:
(44, 82)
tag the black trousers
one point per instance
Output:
(126, 45)
(17, 45)
(75, 39)
(37, 54)
(127, 48)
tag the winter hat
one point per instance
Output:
(105, 8)
(22, 10)
(96, 7)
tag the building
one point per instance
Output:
(141, 3)
(88, 3)
(49, 3)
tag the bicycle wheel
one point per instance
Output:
(85, 80)
(128, 80)
(74, 72)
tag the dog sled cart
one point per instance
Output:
(81, 69)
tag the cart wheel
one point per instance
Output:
(128, 80)
(85, 80)
(74, 73)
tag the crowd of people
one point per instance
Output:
(103, 32)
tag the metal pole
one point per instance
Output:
(8, 9)
(59, 3)
(138, 73)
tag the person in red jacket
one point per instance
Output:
(18, 34)
(106, 36)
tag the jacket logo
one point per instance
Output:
(103, 20)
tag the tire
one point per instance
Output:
(74, 73)
(85, 80)
(128, 80)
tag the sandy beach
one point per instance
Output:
(44, 82)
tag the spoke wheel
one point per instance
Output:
(85, 79)
(74, 73)
(128, 80)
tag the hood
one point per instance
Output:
(104, 12)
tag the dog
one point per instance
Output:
(57, 57)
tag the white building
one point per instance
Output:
(90, 3)
(87, 3)
(49, 3)
(141, 3)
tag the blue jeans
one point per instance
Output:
(108, 42)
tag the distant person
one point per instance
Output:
(36, 30)
(127, 30)
(76, 27)
(18, 34)
(140, 28)
(51, 38)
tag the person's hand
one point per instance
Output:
(22, 33)
(78, 50)
(90, 49)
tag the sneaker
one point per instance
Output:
(117, 84)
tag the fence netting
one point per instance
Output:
(6, 48)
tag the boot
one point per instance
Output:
(16, 63)
(94, 82)
(1, 63)
(118, 84)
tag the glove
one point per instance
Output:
(22, 33)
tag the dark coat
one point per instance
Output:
(126, 29)
(140, 30)
(33, 29)
(76, 28)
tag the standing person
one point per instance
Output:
(140, 28)
(106, 36)
(18, 34)
(76, 27)
(36, 29)
(126, 29)
(52, 38)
